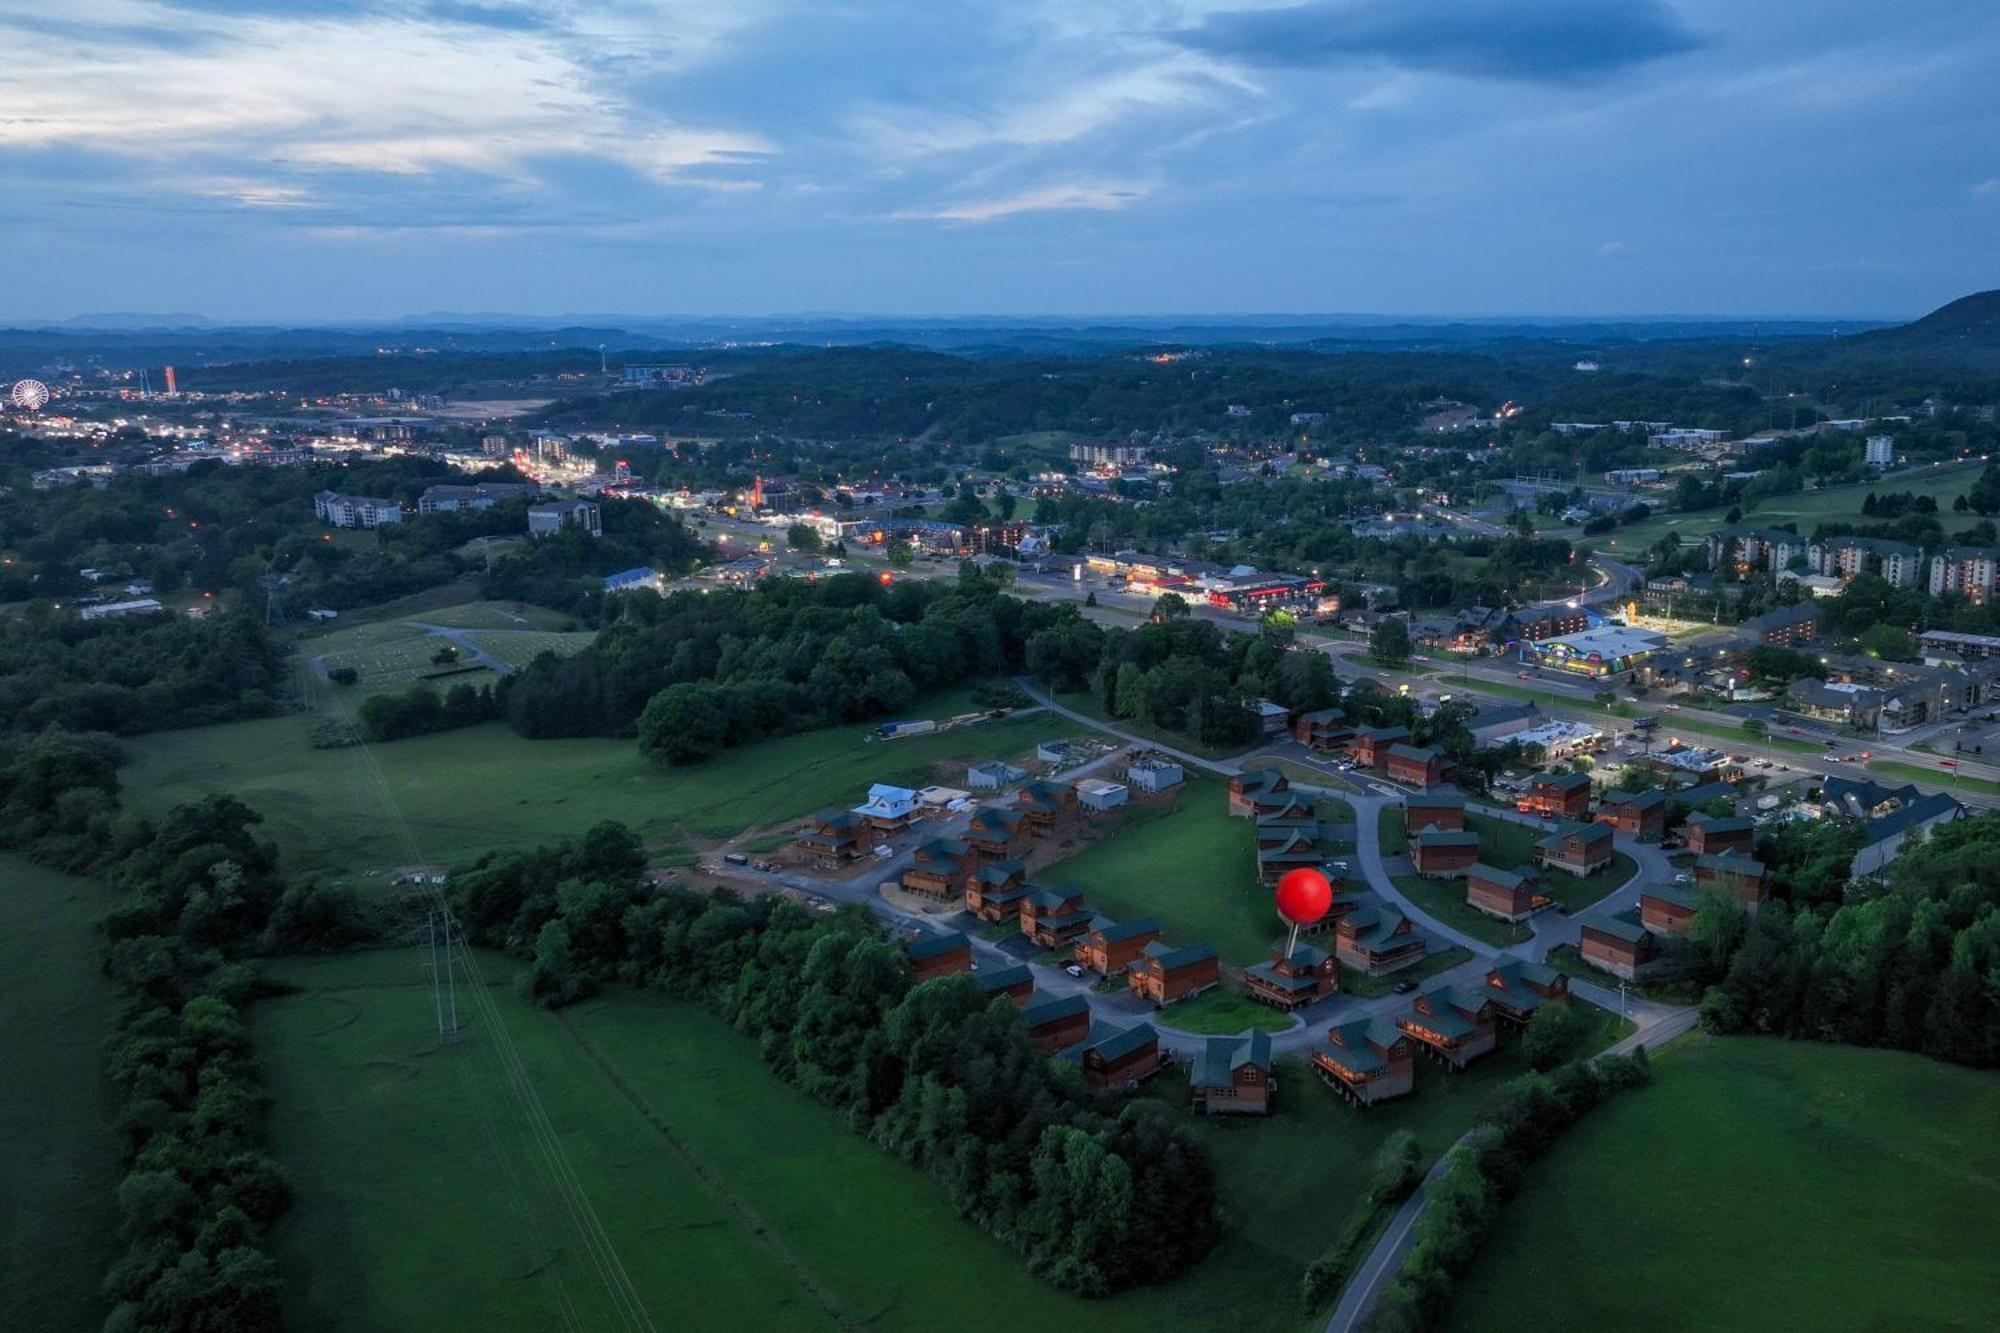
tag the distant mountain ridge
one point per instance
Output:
(1966, 330)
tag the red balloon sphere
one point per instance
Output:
(1304, 896)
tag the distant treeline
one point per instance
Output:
(695, 673)
(1095, 1190)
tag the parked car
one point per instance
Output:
(1074, 970)
(736, 859)
(1524, 675)
(1404, 987)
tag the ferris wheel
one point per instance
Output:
(28, 395)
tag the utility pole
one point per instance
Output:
(444, 979)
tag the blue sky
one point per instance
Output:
(363, 158)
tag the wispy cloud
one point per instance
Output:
(1095, 196)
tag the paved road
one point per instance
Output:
(1376, 1272)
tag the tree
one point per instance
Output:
(1756, 728)
(1171, 606)
(1553, 1035)
(683, 724)
(900, 555)
(800, 537)
(1389, 644)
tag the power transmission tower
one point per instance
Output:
(438, 928)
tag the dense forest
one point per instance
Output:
(129, 674)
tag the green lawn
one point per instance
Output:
(1222, 1012)
(1362, 985)
(58, 1146)
(1729, 731)
(1194, 869)
(1568, 958)
(1807, 508)
(498, 615)
(1444, 900)
(469, 791)
(517, 648)
(1931, 777)
(1511, 846)
(1390, 831)
(1760, 1184)
(422, 1195)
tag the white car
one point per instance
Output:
(1074, 970)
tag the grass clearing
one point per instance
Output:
(1734, 732)
(1511, 846)
(483, 788)
(59, 1149)
(1944, 483)
(1391, 832)
(517, 648)
(420, 1198)
(1087, 703)
(1444, 900)
(1222, 1012)
(1876, 1170)
(1194, 869)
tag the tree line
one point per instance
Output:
(1097, 1192)
(1515, 1128)
(1909, 959)
(132, 674)
(692, 674)
(200, 894)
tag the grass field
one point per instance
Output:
(498, 615)
(1194, 870)
(1390, 830)
(1807, 508)
(1932, 778)
(1222, 1012)
(1444, 900)
(1511, 846)
(1733, 732)
(1760, 1184)
(483, 788)
(421, 1199)
(58, 1148)
(517, 648)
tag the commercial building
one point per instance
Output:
(1600, 652)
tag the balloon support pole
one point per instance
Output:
(1292, 945)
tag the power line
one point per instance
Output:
(589, 1226)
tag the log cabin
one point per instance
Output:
(1233, 1075)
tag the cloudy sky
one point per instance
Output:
(362, 158)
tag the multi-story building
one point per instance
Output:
(1742, 877)
(1843, 557)
(1419, 766)
(1443, 853)
(1971, 571)
(940, 869)
(1747, 550)
(1115, 1057)
(1377, 939)
(1519, 988)
(1636, 814)
(1620, 945)
(545, 520)
(1057, 1022)
(1054, 917)
(1440, 808)
(830, 837)
(996, 891)
(1666, 909)
(1708, 835)
(939, 955)
(355, 511)
(448, 499)
(1557, 796)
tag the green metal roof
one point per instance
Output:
(931, 946)
(1221, 1056)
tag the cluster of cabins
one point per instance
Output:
(1391, 752)
(1364, 932)
(1371, 1059)
(1062, 1025)
(1443, 847)
(1625, 944)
